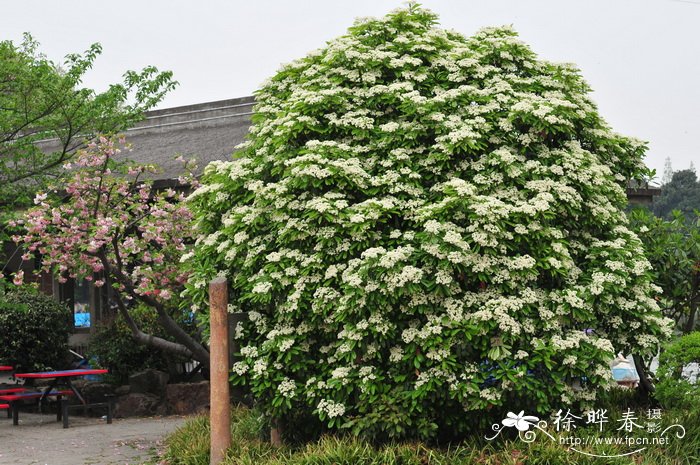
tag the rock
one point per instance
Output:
(162, 409)
(148, 381)
(136, 405)
(96, 392)
(195, 378)
(187, 398)
(122, 390)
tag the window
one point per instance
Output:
(81, 304)
(78, 295)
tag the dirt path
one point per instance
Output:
(40, 440)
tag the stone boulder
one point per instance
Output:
(187, 398)
(148, 382)
(122, 390)
(137, 405)
(96, 392)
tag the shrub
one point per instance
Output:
(675, 388)
(425, 229)
(113, 346)
(34, 330)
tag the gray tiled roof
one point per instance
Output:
(206, 131)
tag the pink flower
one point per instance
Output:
(19, 278)
(40, 197)
(149, 227)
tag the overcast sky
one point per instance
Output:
(642, 57)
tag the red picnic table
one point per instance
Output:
(59, 379)
(6, 368)
(62, 378)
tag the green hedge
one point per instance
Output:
(34, 330)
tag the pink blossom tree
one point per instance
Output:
(113, 228)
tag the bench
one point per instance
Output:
(21, 394)
(4, 406)
(10, 391)
(15, 398)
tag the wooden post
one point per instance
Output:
(220, 410)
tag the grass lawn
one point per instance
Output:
(190, 446)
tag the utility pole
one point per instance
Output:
(668, 172)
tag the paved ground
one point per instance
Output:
(40, 440)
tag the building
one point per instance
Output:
(641, 193)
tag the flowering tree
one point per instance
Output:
(423, 225)
(114, 228)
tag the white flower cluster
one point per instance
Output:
(331, 408)
(287, 388)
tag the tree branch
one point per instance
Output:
(138, 335)
(197, 350)
(148, 339)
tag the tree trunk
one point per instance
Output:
(186, 345)
(148, 339)
(275, 433)
(690, 323)
(694, 297)
(197, 350)
(646, 387)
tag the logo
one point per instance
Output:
(631, 431)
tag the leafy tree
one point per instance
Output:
(426, 229)
(673, 248)
(41, 100)
(682, 193)
(113, 228)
